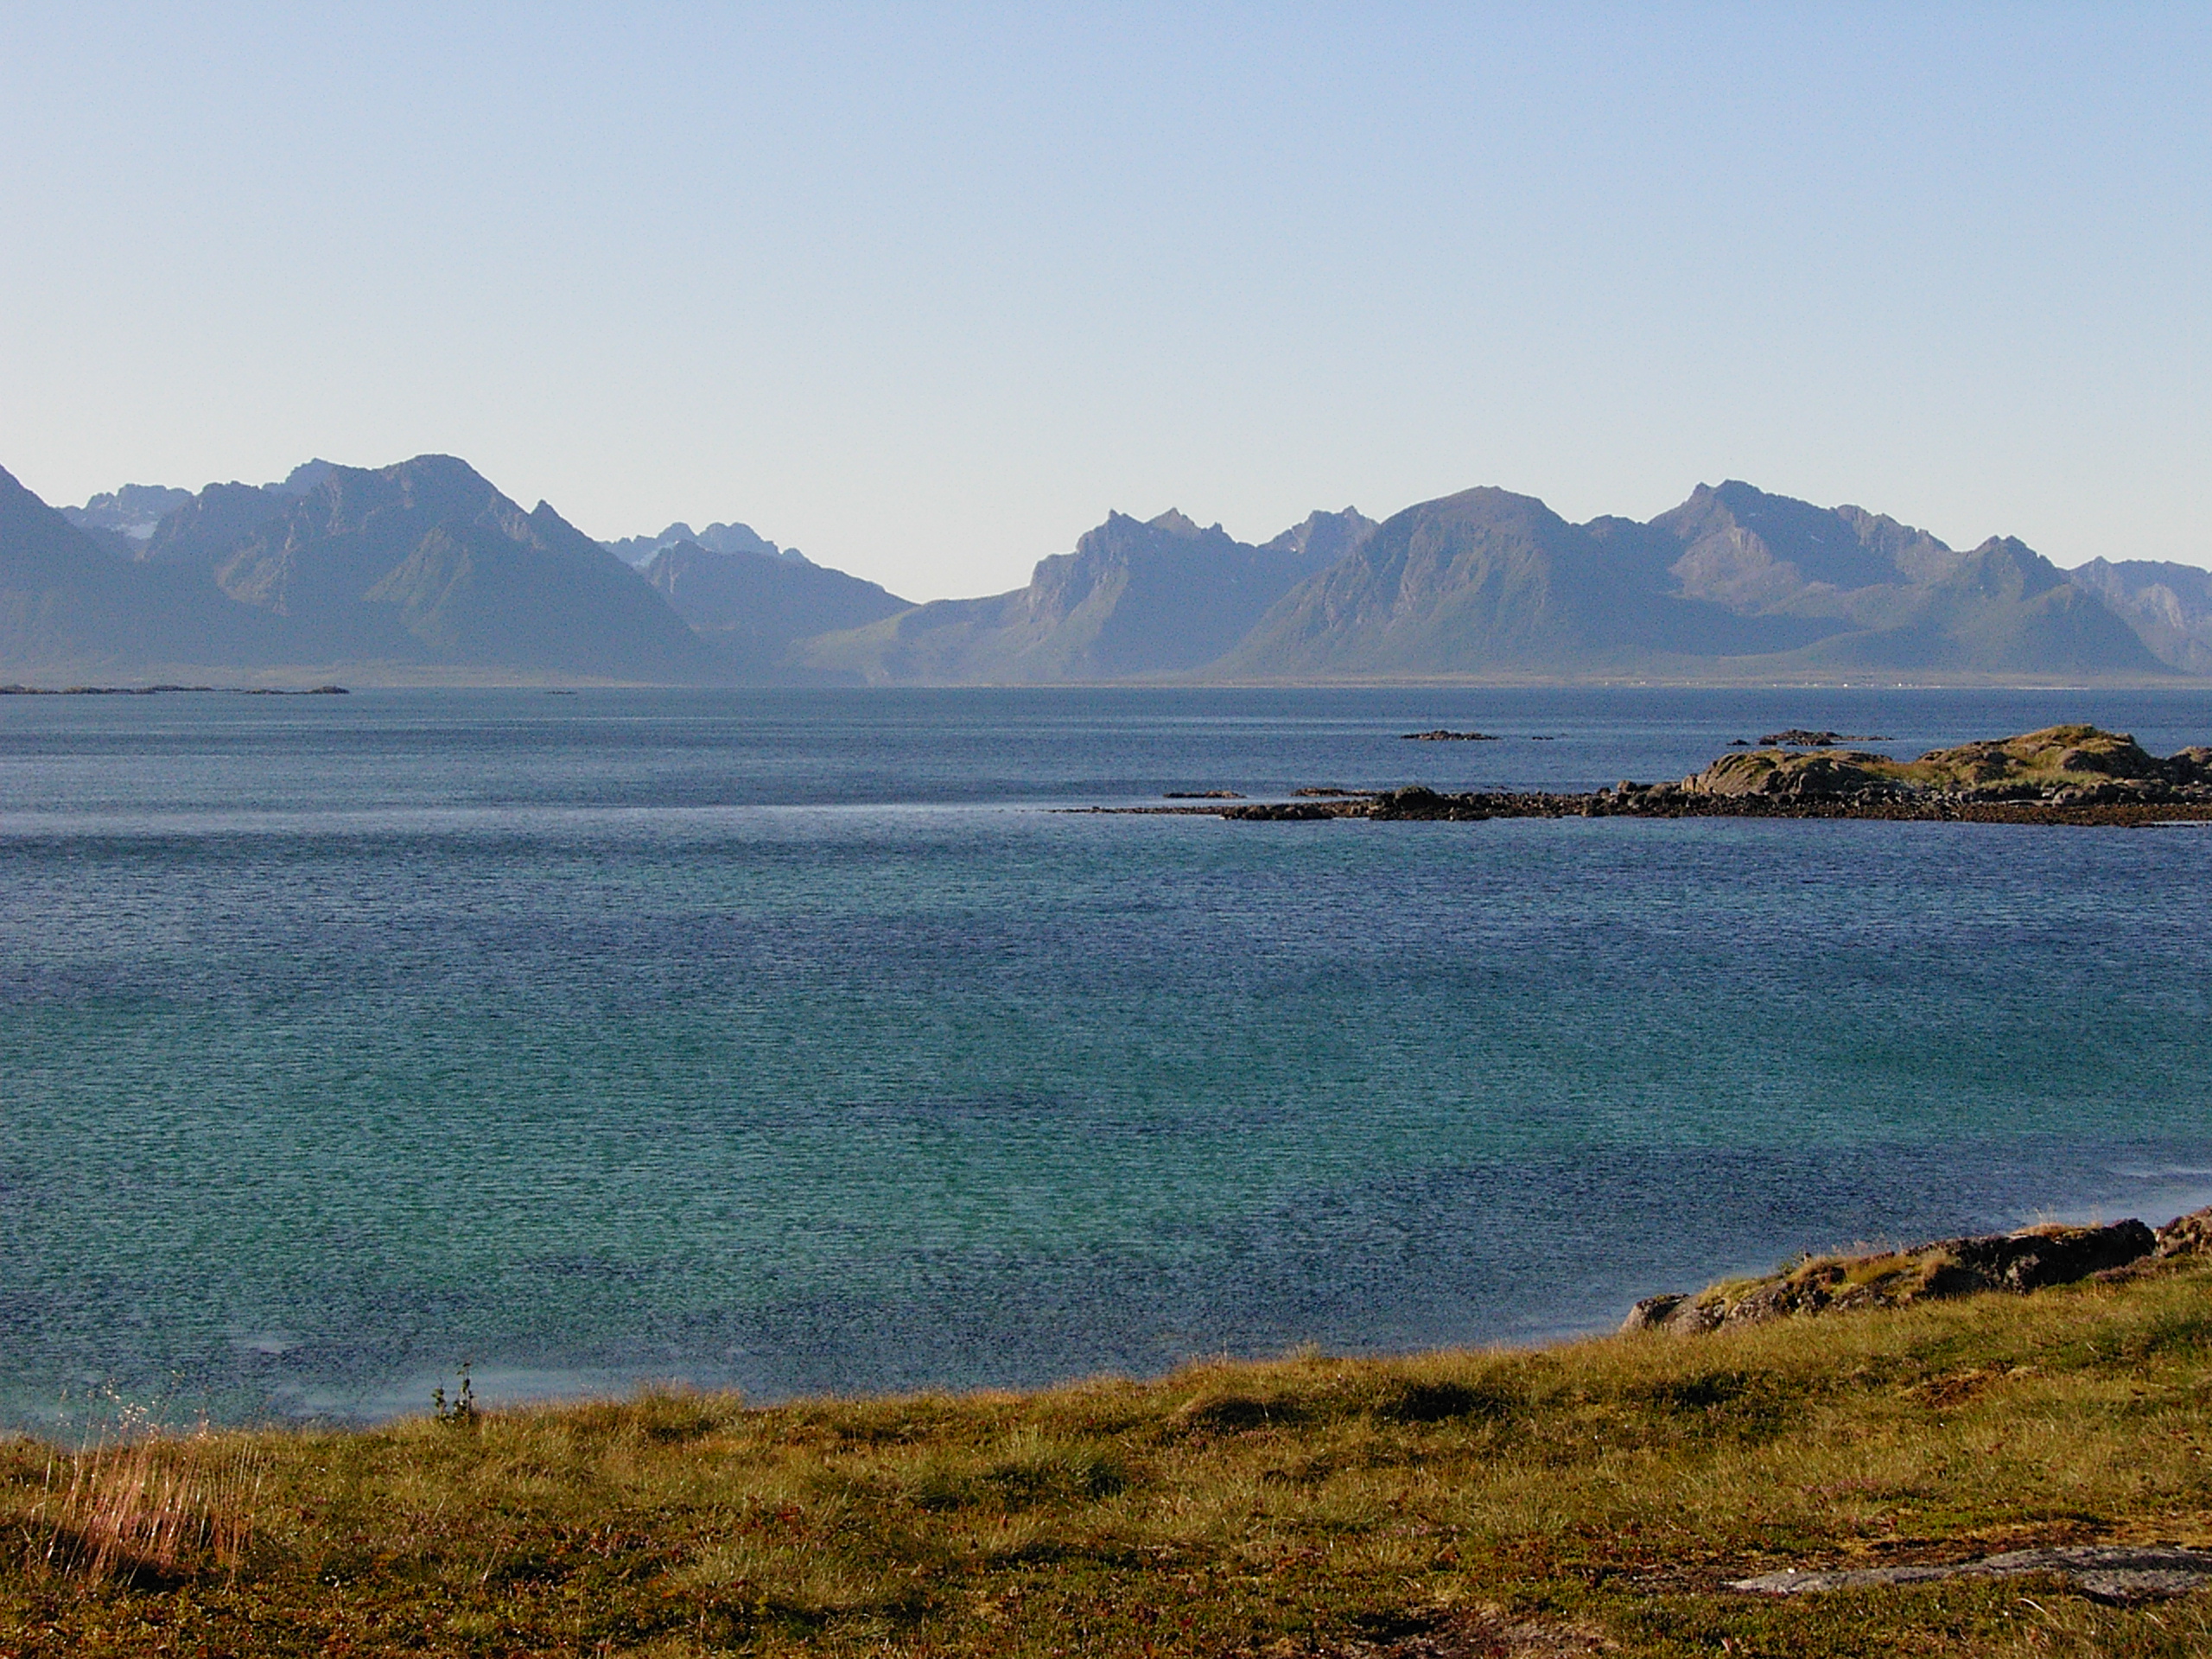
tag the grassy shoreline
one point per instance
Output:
(1591, 1495)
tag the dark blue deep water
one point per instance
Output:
(790, 1041)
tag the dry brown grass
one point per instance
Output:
(150, 1510)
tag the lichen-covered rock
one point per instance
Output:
(2077, 749)
(2076, 765)
(2189, 1235)
(1650, 1313)
(2035, 1256)
(1780, 772)
(2027, 1260)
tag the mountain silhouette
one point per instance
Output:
(2169, 605)
(1135, 600)
(420, 565)
(1732, 582)
(425, 570)
(752, 604)
(72, 598)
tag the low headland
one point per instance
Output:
(163, 689)
(1985, 1446)
(2063, 774)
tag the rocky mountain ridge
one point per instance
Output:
(754, 606)
(1134, 599)
(1735, 584)
(421, 567)
(637, 551)
(2168, 605)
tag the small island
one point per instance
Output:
(2074, 774)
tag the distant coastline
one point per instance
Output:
(161, 690)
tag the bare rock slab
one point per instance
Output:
(2103, 1572)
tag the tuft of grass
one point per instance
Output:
(1594, 1496)
(149, 1512)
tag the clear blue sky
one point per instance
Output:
(926, 289)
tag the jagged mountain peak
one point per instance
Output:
(2005, 566)
(1175, 523)
(1134, 598)
(302, 478)
(426, 561)
(1753, 552)
(422, 562)
(732, 538)
(1492, 582)
(1321, 539)
(751, 606)
(133, 510)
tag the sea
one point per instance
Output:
(806, 1041)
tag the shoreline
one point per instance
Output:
(403, 1402)
(1415, 804)
(1854, 1484)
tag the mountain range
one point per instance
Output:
(425, 571)
(396, 573)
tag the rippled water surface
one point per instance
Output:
(791, 1041)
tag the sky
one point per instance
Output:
(925, 291)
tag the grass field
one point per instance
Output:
(1592, 1497)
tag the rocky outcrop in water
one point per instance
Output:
(2059, 765)
(2063, 774)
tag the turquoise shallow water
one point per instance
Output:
(791, 1041)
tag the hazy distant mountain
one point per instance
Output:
(423, 564)
(751, 605)
(1895, 597)
(424, 567)
(2169, 604)
(639, 551)
(130, 512)
(1488, 582)
(1321, 539)
(134, 511)
(1732, 581)
(72, 604)
(1134, 599)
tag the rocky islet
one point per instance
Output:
(2061, 774)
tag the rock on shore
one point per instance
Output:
(2020, 1262)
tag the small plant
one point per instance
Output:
(461, 1411)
